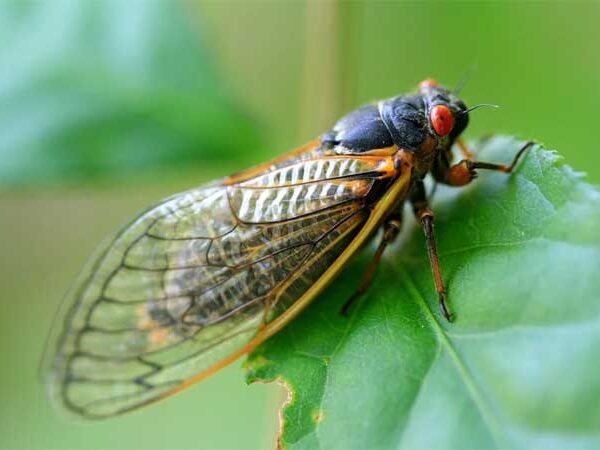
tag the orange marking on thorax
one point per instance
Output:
(428, 146)
(388, 167)
(385, 151)
(382, 160)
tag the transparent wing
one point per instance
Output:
(193, 280)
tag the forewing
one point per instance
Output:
(193, 280)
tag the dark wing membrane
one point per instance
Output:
(193, 280)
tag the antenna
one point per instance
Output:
(481, 105)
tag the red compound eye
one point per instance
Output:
(442, 120)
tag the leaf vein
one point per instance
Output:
(477, 395)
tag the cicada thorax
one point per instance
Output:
(424, 125)
(374, 130)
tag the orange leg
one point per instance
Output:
(390, 231)
(465, 171)
(425, 216)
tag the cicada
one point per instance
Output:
(206, 275)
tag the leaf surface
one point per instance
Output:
(519, 367)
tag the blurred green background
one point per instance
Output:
(105, 107)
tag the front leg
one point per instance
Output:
(425, 215)
(466, 171)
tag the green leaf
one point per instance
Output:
(104, 89)
(520, 366)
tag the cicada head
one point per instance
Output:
(431, 118)
(447, 115)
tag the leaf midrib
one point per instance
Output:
(477, 395)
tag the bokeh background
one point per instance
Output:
(108, 106)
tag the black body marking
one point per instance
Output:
(406, 121)
(402, 121)
(359, 131)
